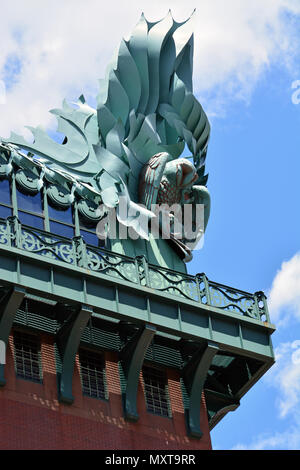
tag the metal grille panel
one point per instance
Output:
(156, 392)
(27, 356)
(92, 374)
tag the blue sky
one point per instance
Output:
(247, 55)
(254, 166)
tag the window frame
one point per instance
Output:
(163, 373)
(4, 204)
(101, 355)
(77, 226)
(24, 332)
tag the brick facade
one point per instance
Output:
(32, 417)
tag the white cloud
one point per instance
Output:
(285, 440)
(284, 297)
(284, 378)
(284, 305)
(54, 49)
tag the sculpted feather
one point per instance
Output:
(146, 113)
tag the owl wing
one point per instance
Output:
(75, 155)
(201, 196)
(150, 178)
(145, 106)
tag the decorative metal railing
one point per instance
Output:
(137, 270)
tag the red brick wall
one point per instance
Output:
(32, 417)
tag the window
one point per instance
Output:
(5, 199)
(31, 220)
(27, 356)
(61, 215)
(61, 229)
(61, 221)
(30, 209)
(92, 370)
(39, 212)
(156, 391)
(91, 238)
(30, 202)
(88, 233)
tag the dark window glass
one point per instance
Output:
(91, 238)
(27, 356)
(5, 196)
(65, 216)
(32, 203)
(92, 374)
(88, 232)
(156, 394)
(5, 212)
(61, 229)
(31, 220)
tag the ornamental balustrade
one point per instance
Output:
(137, 270)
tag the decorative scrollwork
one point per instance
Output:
(233, 300)
(111, 264)
(60, 195)
(5, 165)
(47, 245)
(196, 288)
(28, 181)
(175, 283)
(89, 210)
(4, 237)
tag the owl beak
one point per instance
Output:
(187, 174)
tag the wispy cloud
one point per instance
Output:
(286, 440)
(284, 377)
(284, 296)
(52, 50)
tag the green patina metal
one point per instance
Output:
(145, 115)
(219, 405)
(194, 376)
(125, 300)
(137, 273)
(216, 336)
(8, 308)
(131, 360)
(68, 339)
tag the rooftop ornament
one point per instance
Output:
(130, 146)
(136, 296)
